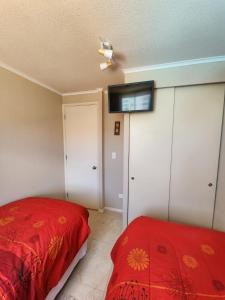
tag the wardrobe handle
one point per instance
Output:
(132, 178)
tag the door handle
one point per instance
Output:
(94, 168)
(132, 178)
(210, 184)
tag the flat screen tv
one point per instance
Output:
(131, 97)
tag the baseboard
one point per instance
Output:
(113, 209)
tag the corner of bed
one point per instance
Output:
(41, 241)
(161, 260)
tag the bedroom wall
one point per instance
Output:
(113, 179)
(31, 143)
(112, 169)
(181, 75)
(213, 72)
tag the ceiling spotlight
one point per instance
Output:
(107, 51)
(105, 65)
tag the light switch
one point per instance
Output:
(113, 155)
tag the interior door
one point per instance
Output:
(150, 156)
(81, 145)
(196, 143)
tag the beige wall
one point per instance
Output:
(31, 143)
(112, 169)
(87, 97)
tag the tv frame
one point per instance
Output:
(131, 84)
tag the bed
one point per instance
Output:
(163, 261)
(41, 240)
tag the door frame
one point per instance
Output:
(126, 158)
(100, 158)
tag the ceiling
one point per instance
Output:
(56, 42)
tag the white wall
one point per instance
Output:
(181, 75)
(219, 214)
(31, 143)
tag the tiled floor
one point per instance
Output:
(90, 277)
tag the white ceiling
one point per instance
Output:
(56, 41)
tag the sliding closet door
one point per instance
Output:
(196, 143)
(150, 156)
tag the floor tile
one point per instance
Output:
(84, 283)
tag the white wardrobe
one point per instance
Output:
(174, 154)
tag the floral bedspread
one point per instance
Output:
(163, 261)
(39, 237)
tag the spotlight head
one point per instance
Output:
(106, 53)
(105, 65)
(106, 45)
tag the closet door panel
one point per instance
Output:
(198, 114)
(150, 156)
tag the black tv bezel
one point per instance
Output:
(151, 82)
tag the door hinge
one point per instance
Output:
(66, 157)
(64, 116)
(67, 195)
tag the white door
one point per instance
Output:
(196, 143)
(81, 147)
(150, 156)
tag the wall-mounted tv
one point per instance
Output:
(131, 97)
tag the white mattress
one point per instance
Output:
(54, 291)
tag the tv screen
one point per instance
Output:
(131, 97)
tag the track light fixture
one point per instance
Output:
(107, 51)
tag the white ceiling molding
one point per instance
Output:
(83, 92)
(175, 64)
(17, 72)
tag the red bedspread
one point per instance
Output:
(39, 238)
(163, 261)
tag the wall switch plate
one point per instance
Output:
(120, 196)
(113, 155)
